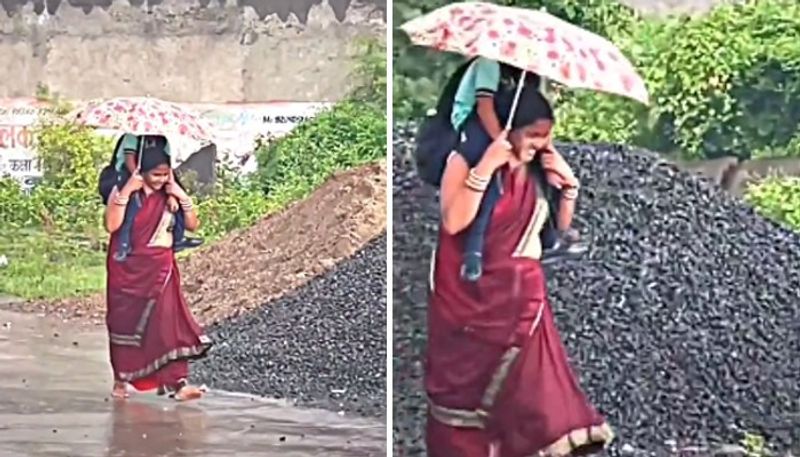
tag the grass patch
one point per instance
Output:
(42, 265)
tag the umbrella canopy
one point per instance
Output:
(145, 116)
(530, 40)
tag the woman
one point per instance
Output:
(152, 332)
(497, 376)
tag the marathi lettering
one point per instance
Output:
(20, 165)
(15, 136)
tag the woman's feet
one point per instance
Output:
(188, 392)
(120, 390)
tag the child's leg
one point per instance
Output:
(472, 268)
(179, 230)
(474, 144)
(125, 231)
(179, 239)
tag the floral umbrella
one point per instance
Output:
(530, 40)
(145, 116)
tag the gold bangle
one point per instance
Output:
(477, 186)
(478, 178)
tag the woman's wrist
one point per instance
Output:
(126, 191)
(121, 199)
(477, 182)
(186, 203)
(485, 168)
(570, 193)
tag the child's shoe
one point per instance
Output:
(187, 243)
(567, 246)
(472, 268)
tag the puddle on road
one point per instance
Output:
(54, 402)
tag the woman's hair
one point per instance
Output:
(532, 107)
(153, 157)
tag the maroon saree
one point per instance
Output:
(497, 376)
(151, 330)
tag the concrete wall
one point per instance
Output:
(668, 7)
(185, 50)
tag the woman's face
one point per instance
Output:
(528, 140)
(157, 177)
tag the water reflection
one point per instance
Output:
(140, 429)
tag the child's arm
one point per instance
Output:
(488, 116)
(487, 82)
(130, 160)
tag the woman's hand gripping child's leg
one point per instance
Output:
(559, 175)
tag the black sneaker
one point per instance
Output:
(472, 268)
(122, 254)
(187, 243)
(568, 246)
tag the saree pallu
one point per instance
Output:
(497, 376)
(152, 333)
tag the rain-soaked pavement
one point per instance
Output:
(54, 402)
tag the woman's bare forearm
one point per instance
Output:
(115, 212)
(460, 204)
(191, 220)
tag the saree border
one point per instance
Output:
(600, 434)
(185, 352)
(477, 418)
(135, 339)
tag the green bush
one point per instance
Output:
(233, 203)
(70, 157)
(728, 83)
(16, 209)
(778, 199)
(347, 135)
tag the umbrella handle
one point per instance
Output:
(141, 150)
(516, 100)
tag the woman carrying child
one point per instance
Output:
(497, 376)
(481, 82)
(153, 334)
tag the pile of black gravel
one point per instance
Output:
(323, 345)
(683, 321)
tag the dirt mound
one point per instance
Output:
(276, 255)
(285, 250)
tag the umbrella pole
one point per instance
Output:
(141, 150)
(516, 100)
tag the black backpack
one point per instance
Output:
(436, 137)
(109, 175)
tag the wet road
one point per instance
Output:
(54, 402)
